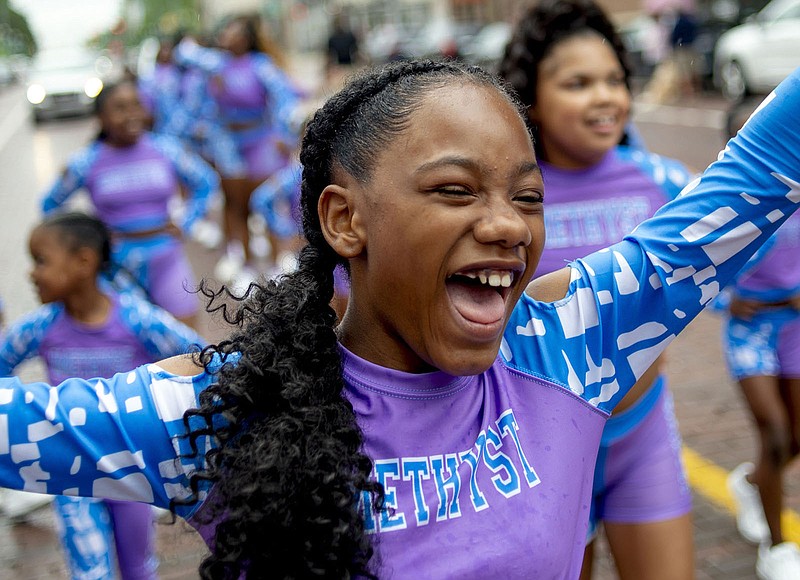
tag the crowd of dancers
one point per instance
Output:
(223, 120)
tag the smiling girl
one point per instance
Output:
(130, 176)
(83, 329)
(568, 65)
(448, 426)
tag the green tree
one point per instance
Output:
(166, 17)
(15, 34)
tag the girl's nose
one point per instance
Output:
(503, 223)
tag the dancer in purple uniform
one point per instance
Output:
(568, 65)
(461, 402)
(131, 176)
(762, 348)
(84, 330)
(257, 104)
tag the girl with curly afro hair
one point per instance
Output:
(568, 65)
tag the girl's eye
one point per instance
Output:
(454, 190)
(575, 84)
(529, 197)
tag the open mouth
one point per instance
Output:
(604, 122)
(480, 295)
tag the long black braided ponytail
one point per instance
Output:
(289, 468)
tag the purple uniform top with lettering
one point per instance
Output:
(487, 474)
(590, 209)
(130, 187)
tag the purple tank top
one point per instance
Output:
(239, 92)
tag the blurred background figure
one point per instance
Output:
(343, 52)
(676, 73)
(131, 176)
(257, 103)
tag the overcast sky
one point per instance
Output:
(59, 23)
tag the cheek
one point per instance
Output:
(538, 238)
(558, 115)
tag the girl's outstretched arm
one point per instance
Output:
(120, 438)
(619, 308)
(71, 180)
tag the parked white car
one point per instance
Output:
(65, 82)
(756, 56)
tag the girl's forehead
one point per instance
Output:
(461, 120)
(462, 97)
(44, 236)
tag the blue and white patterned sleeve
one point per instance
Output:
(190, 54)
(197, 175)
(669, 174)
(71, 180)
(120, 438)
(22, 339)
(625, 304)
(284, 96)
(275, 198)
(161, 333)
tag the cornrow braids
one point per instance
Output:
(541, 28)
(288, 470)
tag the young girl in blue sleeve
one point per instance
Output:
(448, 425)
(84, 329)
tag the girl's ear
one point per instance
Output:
(341, 221)
(87, 261)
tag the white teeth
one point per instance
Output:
(493, 278)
